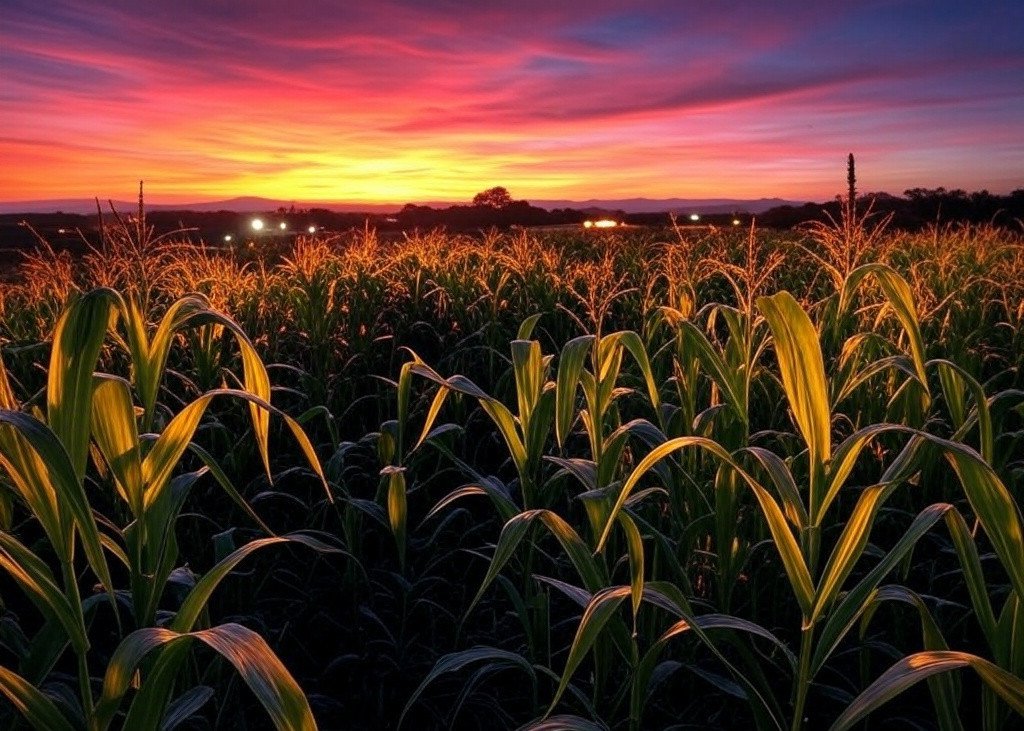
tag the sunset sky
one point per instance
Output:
(396, 101)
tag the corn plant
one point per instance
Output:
(818, 591)
(46, 463)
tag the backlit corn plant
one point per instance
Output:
(46, 459)
(757, 474)
(795, 516)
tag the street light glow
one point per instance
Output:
(227, 237)
(257, 224)
(694, 217)
(283, 226)
(312, 229)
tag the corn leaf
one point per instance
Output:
(116, 434)
(34, 706)
(570, 364)
(915, 668)
(803, 377)
(257, 664)
(77, 340)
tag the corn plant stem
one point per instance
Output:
(813, 549)
(803, 678)
(597, 418)
(84, 681)
(529, 593)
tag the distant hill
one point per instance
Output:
(251, 204)
(672, 205)
(247, 204)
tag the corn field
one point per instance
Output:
(615, 480)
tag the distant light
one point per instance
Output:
(735, 222)
(312, 229)
(62, 230)
(257, 224)
(227, 237)
(588, 224)
(694, 217)
(605, 223)
(283, 226)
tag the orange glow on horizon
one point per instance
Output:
(392, 102)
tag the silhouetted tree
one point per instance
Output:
(498, 197)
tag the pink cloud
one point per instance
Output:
(402, 100)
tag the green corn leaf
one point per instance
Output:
(166, 452)
(570, 364)
(397, 508)
(955, 382)
(898, 362)
(200, 594)
(150, 359)
(601, 608)
(1009, 648)
(505, 507)
(945, 689)
(30, 478)
(720, 372)
(185, 706)
(227, 485)
(849, 547)
(901, 299)
(157, 546)
(34, 706)
(512, 534)
(68, 491)
(700, 625)
(785, 485)
(255, 662)
(803, 377)
(402, 398)
(635, 548)
(498, 412)
(974, 576)
(432, 412)
(527, 326)
(508, 429)
(456, 661)
(116, 434)
(37, 581)
(849, 608)
(785, 543)
(845, 459)
(77, 340)
(915, 668)
(528, 370)
(993, 504)
(632, 342)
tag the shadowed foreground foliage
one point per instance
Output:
(634, 480)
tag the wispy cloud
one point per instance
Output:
(396, 100)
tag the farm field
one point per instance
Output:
(644, 479)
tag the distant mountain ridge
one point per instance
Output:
(254, 204)
(673, 205)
